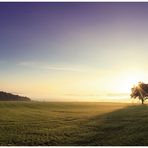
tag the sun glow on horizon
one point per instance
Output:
(127, 79)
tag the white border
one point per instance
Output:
(73, 1)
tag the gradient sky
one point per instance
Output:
(73, 51)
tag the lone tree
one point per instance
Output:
(140, 91)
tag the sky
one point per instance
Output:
(73, 51)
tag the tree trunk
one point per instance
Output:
(142, 100)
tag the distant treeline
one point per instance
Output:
(11, 97)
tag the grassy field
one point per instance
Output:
(65, 124)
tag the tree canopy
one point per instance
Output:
(140, 91)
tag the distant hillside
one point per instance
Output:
(11, 97)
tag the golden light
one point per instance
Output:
(125, 81)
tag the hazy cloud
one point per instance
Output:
(32, 64)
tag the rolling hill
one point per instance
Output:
(4, 96)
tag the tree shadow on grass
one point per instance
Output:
(124, 127)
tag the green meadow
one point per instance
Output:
(73, 124)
